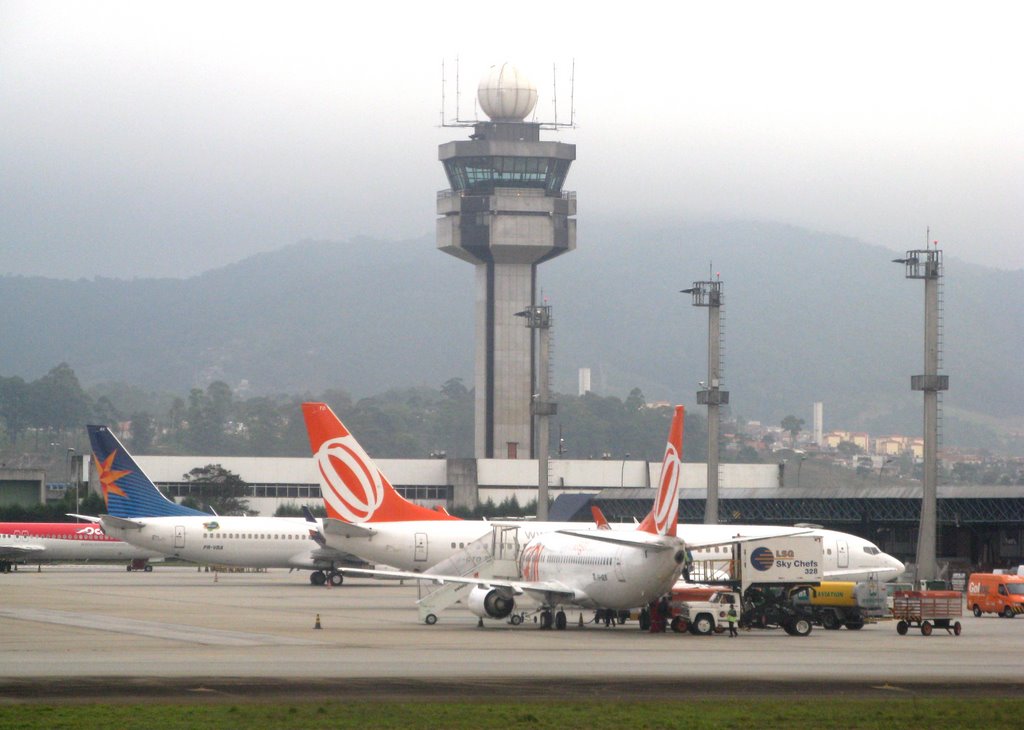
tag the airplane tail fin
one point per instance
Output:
(127, 491)
(664, 516)
(354, 489)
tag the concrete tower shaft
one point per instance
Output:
(505, 213)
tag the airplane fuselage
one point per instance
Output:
(418, 545)
(57, 541)
(248, 542)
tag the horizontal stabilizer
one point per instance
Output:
(346, 529)
(121, 523)
(87, 518)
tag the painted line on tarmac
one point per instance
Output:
(174, 632)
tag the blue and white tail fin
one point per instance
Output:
(127, 490)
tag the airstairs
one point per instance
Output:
(494, 555)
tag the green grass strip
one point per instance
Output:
(825, 712)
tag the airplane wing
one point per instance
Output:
(691, 544)
(19, 551)
(346, 529)
(633, 539)
(121, 522)
(516, 587)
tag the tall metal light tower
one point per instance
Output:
(927, 264)
(539, 318)
(505, 213)
(709, 294)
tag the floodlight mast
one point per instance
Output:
(710, 294)
(926, 264)
(538, 317)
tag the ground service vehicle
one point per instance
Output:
(835, 604)
(759, 576)
(995, 593)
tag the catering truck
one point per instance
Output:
(757, 579)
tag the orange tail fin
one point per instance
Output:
(354, 489)
(663, 518)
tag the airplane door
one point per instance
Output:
(420, 544)
(842, 554)
(179, 536)
(617, 560)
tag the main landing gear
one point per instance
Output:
(558, 620)
(320, 577)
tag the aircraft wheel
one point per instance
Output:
(317, 578)
(957, 628)
(1008, 612)
(336, 578)
(515, 619)
(902, 627)
(430, 619)
(545, 619)
(977, 611)
(926, 628)
(623, 617)
(560, 620)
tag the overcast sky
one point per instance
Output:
(167, 138)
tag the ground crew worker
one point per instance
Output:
(731, 618)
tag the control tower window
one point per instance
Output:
(483, 174)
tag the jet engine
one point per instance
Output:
(490, 603)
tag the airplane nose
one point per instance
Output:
(897, 565)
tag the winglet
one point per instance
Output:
(664, 516)
(353, 488)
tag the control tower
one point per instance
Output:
(505, 213)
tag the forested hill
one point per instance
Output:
(808, 317)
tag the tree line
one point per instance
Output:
(416, 422)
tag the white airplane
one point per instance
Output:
(368, 518)
(51, 542)
(595, 568)
(138, 513)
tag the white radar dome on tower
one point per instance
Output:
(505, 94)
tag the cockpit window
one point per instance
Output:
(871, 550)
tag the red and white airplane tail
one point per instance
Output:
(354, 489)
(664, 516)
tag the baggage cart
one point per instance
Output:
(928, 610)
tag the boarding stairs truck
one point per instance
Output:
(494, 555)
(756, 577)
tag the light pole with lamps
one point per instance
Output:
(71, 474)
